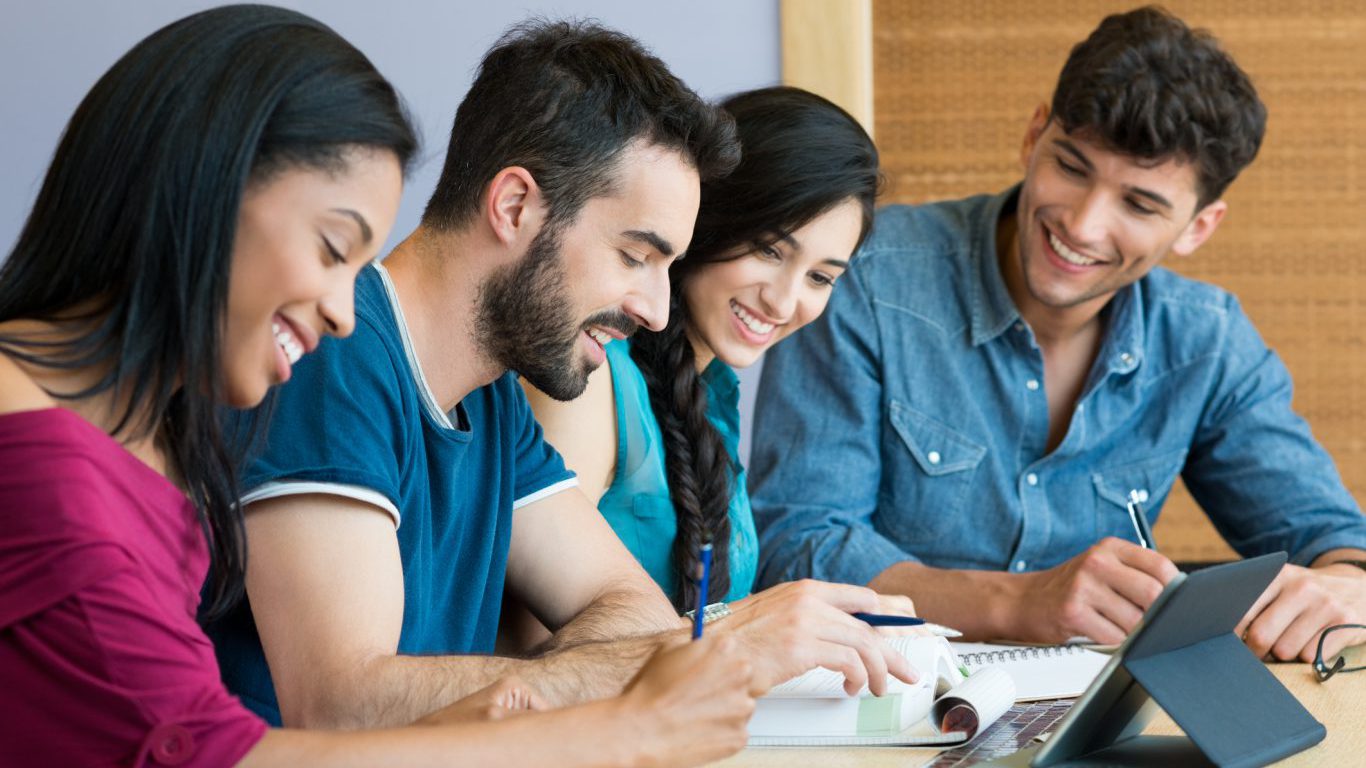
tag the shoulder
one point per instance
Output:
(1190, 306)
(1189, 320)
(921, 259)
(18, 391)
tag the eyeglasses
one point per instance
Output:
(1333, 666)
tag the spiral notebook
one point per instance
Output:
(1040, 671)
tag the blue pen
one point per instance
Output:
(705, 556)
(885, 620)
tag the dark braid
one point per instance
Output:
(695, 458)
(800, 156)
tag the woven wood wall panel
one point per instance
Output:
(956, 83)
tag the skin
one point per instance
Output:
(793, 627)
(1126, 216)
(331, 637)
(687, 706)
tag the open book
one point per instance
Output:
(942, 709)
(1039, 671)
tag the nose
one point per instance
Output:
(648, 305)
(779, 296)
(1087, 224)
(337, 307)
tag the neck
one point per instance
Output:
(437, 277)
(701, 353)
(1051, 325)
(102, 410)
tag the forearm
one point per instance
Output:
(622, 612)
(579, 737)
(983, 605)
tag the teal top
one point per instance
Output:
(637, 503)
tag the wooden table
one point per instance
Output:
(1340, 704)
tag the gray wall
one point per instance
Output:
(52, 52)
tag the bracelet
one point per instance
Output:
(710, 613)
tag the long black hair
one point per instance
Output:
(130, 239)
(800, 156)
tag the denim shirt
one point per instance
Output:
(910, 421)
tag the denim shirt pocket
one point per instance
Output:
(1152, 477)
(928, 493)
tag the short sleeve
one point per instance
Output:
(540, 469)
(109, 676)
(340, 420)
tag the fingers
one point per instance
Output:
(895, 605)
(1150, 561)
(1268, 595)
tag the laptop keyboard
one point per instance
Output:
(1014, 731)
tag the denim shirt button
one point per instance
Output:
(1019, 326)
(1142, 495)
(1032, 479)
(1127, 359)
(933, 456)
(1032, 384)
(1020, 565)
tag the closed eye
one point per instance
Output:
(1070, 170)
(822, 279)
(336, 255)
(629, 260)
(769, 253)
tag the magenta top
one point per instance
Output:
(101, 562)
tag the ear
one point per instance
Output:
(513, 205)
(1200, 228)
(1037, 124)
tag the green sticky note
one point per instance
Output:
(879, 715)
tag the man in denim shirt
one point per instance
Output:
(995, 375)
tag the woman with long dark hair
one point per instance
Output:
(199, 230)
(655, 437)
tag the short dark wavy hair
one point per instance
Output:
(1148, 86)
(563, 99)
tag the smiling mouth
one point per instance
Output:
(751, 322)
(1067, 254)
(600, 336)
(284, 337)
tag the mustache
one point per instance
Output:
(614, 319)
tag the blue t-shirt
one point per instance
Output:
(357, 419)
(637, 503)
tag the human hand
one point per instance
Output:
(690, 703)
(505, 697)
(1100, 594)
(898, 605)
(794, 627)
(1286, 620)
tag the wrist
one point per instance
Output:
(1346, 567)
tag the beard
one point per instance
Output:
(526, 320)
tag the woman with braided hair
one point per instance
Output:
(654, 439)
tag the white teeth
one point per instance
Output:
(1068, 255)
(751, 322)
(600, 337)
(293, 349)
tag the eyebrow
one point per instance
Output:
(786, 237)
(1076, 154)
(651, 239)
(365, 232)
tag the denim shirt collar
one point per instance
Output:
(993, 310)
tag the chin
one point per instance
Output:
(243, 395)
